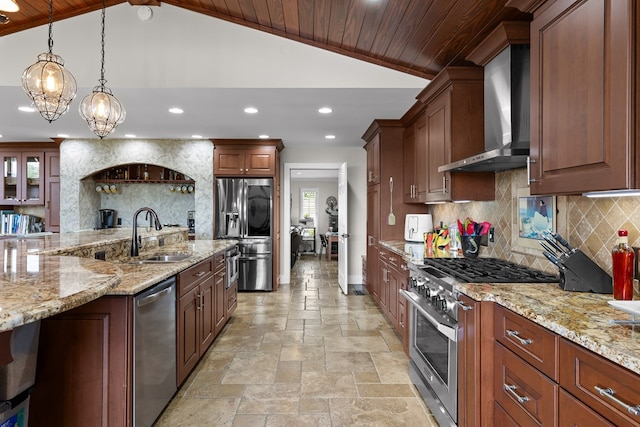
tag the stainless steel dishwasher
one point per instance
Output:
(154, 351)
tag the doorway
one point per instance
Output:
(316, 176)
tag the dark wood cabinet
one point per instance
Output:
(373, 233)
(52, 191)
(454, 130)
(572, 412)
(469, 362)
(415, 161)
(84, 368)
(394, 275)
(219, 301)
(238, 157)
(373, 160)
(23, 177)
(231, 297)
(583, 96)
(195, 315)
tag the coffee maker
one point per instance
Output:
(107, 218)
(191, 221)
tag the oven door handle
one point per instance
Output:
(448, 331)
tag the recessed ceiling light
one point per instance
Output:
(63, 135)
(330, 137)
(196, 136)
(176, 110)
(251, 110)
(325, 110)
(27, 109)
(0, 135)
(129, 135)
(263, 136)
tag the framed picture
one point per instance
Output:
(536, 215)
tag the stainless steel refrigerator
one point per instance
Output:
(244, 211)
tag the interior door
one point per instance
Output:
(343, 233)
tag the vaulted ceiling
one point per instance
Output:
(419, 37)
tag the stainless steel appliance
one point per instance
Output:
(232, 264)
(154, 351)
(107, 218)
(191, 221)
(433, 327)
(244, 211)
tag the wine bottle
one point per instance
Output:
(622, 255)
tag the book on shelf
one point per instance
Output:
(15, 223)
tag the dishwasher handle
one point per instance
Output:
(153, 297)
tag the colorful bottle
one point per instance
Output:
(622, 255)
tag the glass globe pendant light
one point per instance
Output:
(49, 85)
(102, 111)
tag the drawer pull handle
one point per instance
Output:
(200, 273)
(464, 306)
(609, 393)
(512, 389)
(516, 335)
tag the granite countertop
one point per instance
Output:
(34, 286)
(581, 317)
(37, 282)
(138, 277)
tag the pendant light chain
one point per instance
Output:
(50, 27)
(49, 85)
(102, 80)
(102, 111)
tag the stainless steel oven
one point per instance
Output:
(433, 327)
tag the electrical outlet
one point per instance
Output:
(161, 241)
(101, 255)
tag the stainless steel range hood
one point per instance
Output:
(506, 114)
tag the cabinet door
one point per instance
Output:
(207, 313)
(260, 161)
(52, 192)
(32, 171)
(383, 290)
(228, 161)
(438, 123)
(572, 412)
(231, 296)
(582, 98)
(393, 281)
(188, 330)
(469, 404)
(11, 190)
(373, 160)
(421, 159)
(220, 311)
(408, 164)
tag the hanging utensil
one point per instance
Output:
(391, 220)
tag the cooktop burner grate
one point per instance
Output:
(490, 270)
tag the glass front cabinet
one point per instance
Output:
(22, 174)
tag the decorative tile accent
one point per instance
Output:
(591, 224)
(79, 201)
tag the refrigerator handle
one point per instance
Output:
(245, 197)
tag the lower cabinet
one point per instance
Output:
(538, 378)
(393, 276)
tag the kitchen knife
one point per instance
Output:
(563, 242)
(551, 251)
(553, 259)
(553, 243)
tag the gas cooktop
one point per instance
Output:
(489, 270)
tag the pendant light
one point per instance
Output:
(102, 111)
(8, 6)
(49, 85)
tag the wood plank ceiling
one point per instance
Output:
(418, 37)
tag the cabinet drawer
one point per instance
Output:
(581, 371)
(194, 275)
(572, 412)
(526, 394)
(218, 261)
(536, 345)
(502, 418)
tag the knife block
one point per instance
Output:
(581, 274)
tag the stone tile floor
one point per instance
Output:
(306, 355)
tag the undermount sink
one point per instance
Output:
(161, 258)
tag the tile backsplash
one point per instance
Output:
(587, 224)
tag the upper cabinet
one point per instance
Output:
(240, 157)
(453, 129)
(373, 160)
(415, 160)
(583, 96)
(23, 178)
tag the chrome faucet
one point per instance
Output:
(134, 237)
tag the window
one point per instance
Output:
(308, 203)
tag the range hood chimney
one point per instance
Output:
(506, 107)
